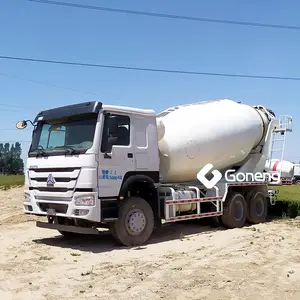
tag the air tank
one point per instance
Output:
(220, 132)
(285, 167)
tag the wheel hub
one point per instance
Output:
(135, 222)
(259, 207)
(238, 211)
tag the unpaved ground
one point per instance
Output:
(185, 261)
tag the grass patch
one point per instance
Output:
(288, 201)
(288, 193)
(10, 181)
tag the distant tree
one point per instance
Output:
(11, 162)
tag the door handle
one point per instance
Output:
(107, 156)
(130, 155)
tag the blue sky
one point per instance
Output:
(60, 33)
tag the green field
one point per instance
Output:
(288, 201)
(10, 181)
(288, 192)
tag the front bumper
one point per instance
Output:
(61, 207)
(68, 228)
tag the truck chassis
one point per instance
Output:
(137, 217)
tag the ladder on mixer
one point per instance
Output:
(278, 141)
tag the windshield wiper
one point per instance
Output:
(40, 151)
(69, 150)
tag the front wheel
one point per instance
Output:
(135, 222)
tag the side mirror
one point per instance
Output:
(110, 142)
(21, 124)
(112, 124)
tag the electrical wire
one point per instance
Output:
(147, 69)
(162, 15)
(47, 84)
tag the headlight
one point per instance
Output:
(27, 179)
(85, 201)
(27, 197)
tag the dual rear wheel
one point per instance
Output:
(238, 209)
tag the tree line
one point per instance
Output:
(11, 162)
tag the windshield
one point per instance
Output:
(71, 133)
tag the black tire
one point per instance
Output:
(234, 211)
(248, 198)
(128, 233)
(112, 230)
(257, 208)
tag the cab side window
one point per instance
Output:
(116, 131)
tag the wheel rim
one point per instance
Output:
(259, 207)
(135, 222)
(238, 211)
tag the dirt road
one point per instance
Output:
(185, 261)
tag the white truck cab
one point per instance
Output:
(82, 155)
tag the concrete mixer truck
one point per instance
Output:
(289, 171)
(92, 165)
(284, 167)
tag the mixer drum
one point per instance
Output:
(221, 132)
(285, 167)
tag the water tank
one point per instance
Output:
(220, 132)
(286, 167)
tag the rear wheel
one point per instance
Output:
(257, 208)
(234, 211)
(135, 222)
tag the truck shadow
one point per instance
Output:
(104, 242)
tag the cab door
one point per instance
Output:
(116, 156)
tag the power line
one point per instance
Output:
(47, 84)
(147, 69)
(15, 111)
(37, 82)
(13, 106)
(11, 111)
(161, 15)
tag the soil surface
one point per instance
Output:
(183, 261)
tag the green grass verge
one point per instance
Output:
(7, 182)
(288, 193)
(288, 201)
